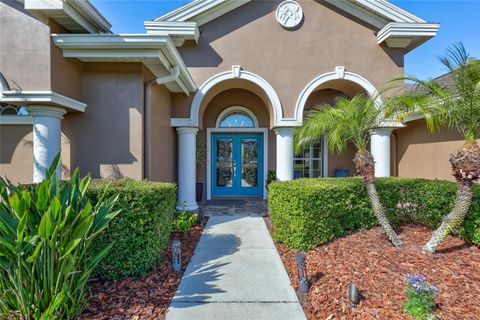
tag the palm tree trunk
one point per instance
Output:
(365, 165)
(466, 170)
(382, 219)
(451, 221)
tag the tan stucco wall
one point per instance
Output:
(67, 73)
(251, 37)
(424, 155)
(24, 48)
(107, 139)
(16, 153)
(163, 138)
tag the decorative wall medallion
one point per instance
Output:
(289, 14)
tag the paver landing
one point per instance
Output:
(235, 273)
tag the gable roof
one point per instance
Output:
(397, 28)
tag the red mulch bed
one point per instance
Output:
(144, 298)
(378, 269)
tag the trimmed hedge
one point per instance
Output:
(140, 232)
(310, 212)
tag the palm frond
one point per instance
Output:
(349, 120)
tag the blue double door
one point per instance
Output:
(237, 164)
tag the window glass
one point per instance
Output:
(308, 162)
(237, 120)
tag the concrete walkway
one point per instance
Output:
(235, 273)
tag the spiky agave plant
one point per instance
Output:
(456, 107)
(45, 233)
(349, 120)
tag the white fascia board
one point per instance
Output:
(388, 10)
(406, 35)
(202, 11)
(42, 97)
(80, 13)
(178, 31)
(13, 119)
(152, 50)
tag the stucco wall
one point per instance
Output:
(24, 48)
(66, 73)
(251, 37)
(163, 138)
(425, 155)
(16, 153)
(107, 139)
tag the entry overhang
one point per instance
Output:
(157, 52)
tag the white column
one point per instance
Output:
(284, 153)
(187, 144)
(380, 149)
(47, 134)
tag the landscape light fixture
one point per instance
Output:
(354, 295)
(176, 261)
(302, 273)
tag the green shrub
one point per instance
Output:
(184, 220)
(309, 212)
(45, 233)
(141, 232)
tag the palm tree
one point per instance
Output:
(456, 107)
(350, 120)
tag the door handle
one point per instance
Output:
(234, 168)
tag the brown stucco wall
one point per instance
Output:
(66, 74)
(16, 153)
(107, 139)
(24, 48)
(424, 155)
(162, 137)
(251, 37)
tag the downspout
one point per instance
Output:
(147, 107)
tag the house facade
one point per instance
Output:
(211, 92)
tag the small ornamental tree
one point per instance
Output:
(456, 107)
(45, 233)
(349, 120)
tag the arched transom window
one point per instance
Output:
(237, 117)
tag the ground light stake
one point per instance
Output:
(176, 261)
(354, 295)
(302, 273)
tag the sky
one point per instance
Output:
(459, 19)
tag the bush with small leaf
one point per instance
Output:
(184, 220)
(45, 234)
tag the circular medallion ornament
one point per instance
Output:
(289, 14)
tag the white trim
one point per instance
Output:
(232, 109)
(236, 130)
(13, 119)
(178, 31)
(406, 35)
(235, 73)
(73, 15)
(42, 97)
(157, 52)
(202, 11)
(374, 12)
(340, 73)
(325, 156)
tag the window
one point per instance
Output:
(308, 163)
(237, 119)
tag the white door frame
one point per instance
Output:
(236, 130)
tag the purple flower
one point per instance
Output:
(420, 284)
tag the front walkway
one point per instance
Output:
(235, 273)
